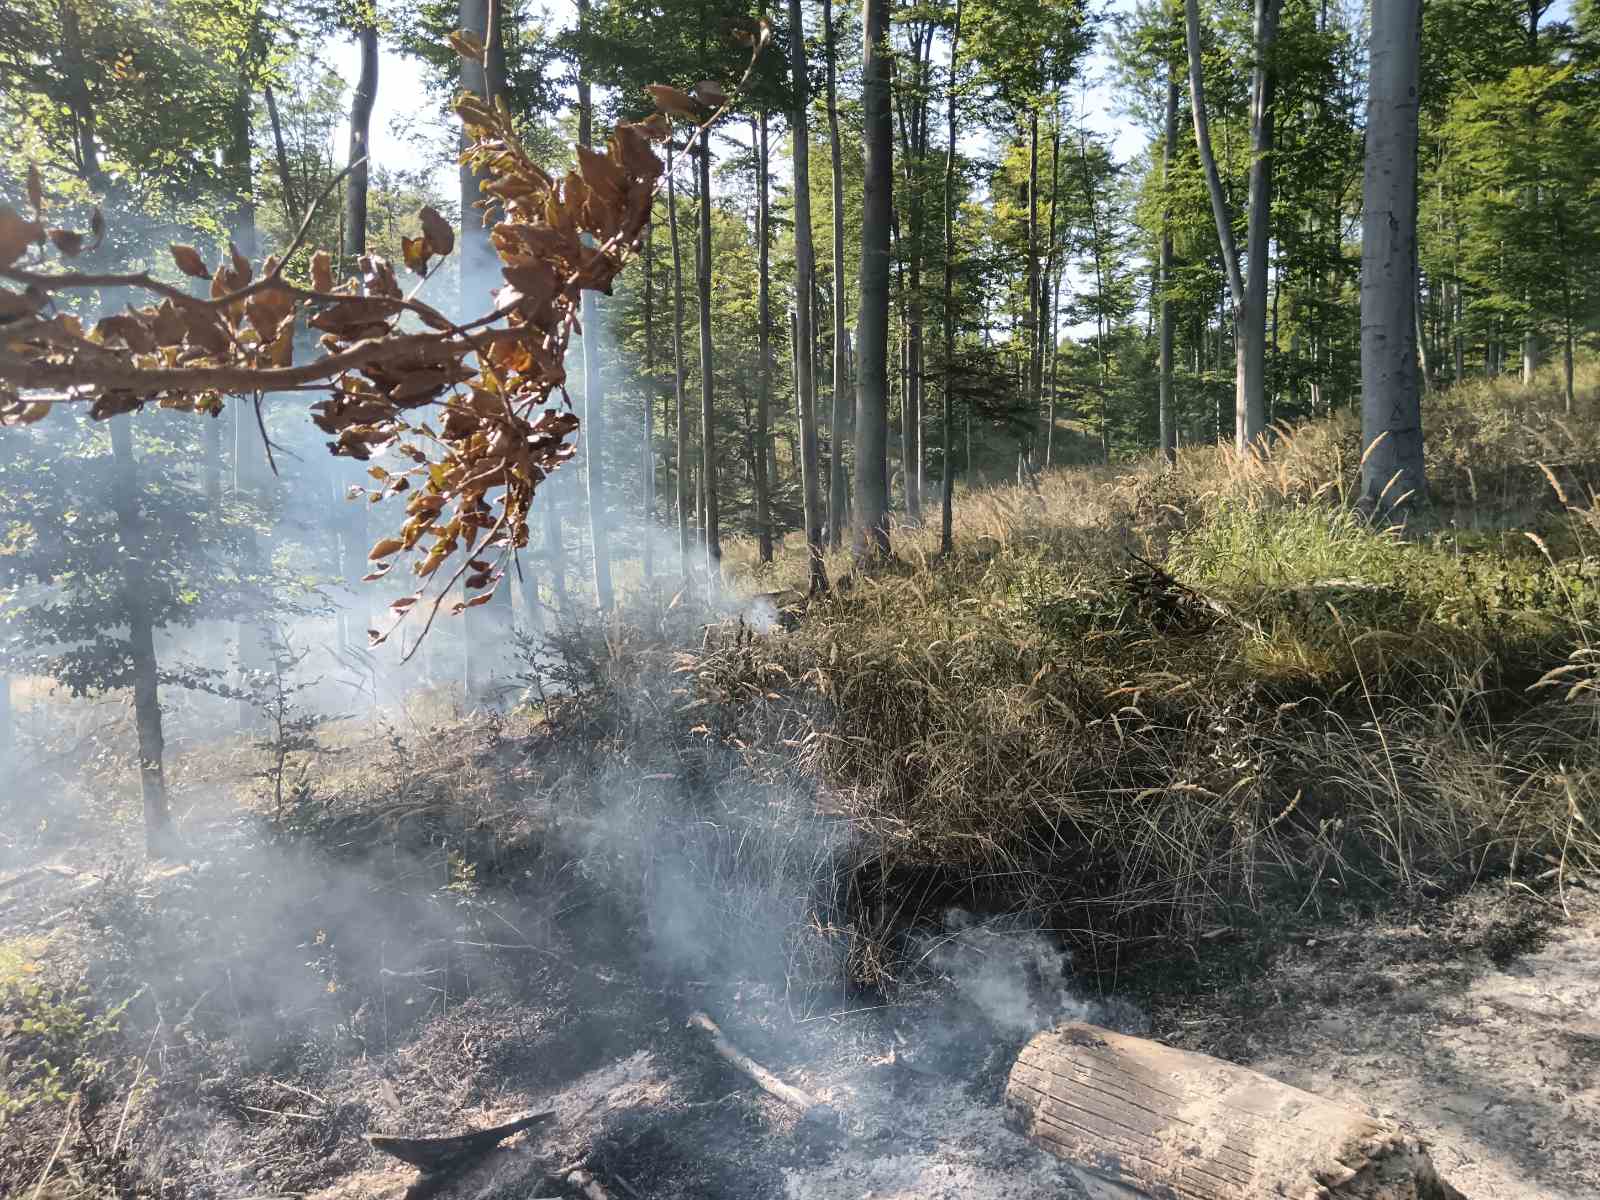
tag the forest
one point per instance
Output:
(802, 593)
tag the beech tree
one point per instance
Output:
(872, 336)
(1247, 286)
(1391, 412)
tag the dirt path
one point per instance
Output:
(1477, 1028)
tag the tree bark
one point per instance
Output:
(1137, 1119)
(594, 432)
(708, 428)
(804, 286)
(355, 188)
(647, 543)
(1391, 410)
(480, 269)
(872, 328)
(1249, 296)
(763, 340)
(947, 484)
(1169, 150)
(838, 483)
(158, 833)
(681, 450)
(290, 201)
(1032, 330)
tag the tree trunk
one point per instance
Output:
(158, 833)
(647, 464)
(948, 482)
(872, 327)
(763, 341)
(1249, 296)
(1250, 393)
(290, 201)
(1391, 409)
(1033, 334)
(594, 432)
(480, 266)
(805, 382)
(681, 449)
(838, 484)
(1169, 151)
(355, 189)
(708, 427)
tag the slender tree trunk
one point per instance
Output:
(1032, 331)
(805, 383)
(948, 482)
(1169, 150)
(647, 462)
(1049, 290)
(158, 833)
(681, 451)
(1391, 410)
(1249, 295)
(838, 484)
(763, 340)
(594, 431)
(711, 522)
(355, 191)
(480, 266)
(289, 198)
(872, 337)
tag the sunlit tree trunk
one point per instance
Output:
(872, 336)
(158, 834)
(804, 286)
(1033, 332)
(647, 462)
(1249, 295)
(366, 94)
(1391, 410)
(1169, 150)
(838, 482)
(594, 433)
(948, 482)
(681, 434)
(711, 524)
(763, 341)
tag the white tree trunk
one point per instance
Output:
(1391, 408)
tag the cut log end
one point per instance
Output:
(1139, 1119)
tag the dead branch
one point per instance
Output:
(585, 1184)
(802, 1101)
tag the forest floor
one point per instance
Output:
(1469, 1022)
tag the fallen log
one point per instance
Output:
(809, 1107)
(1140, 1121)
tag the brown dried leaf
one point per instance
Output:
(670, 100)
(416, 251)
(385, 548)
(16, 235)
(14, 306)
(189, 261)
(322, 271)
(710, 94)
(440, 233)
(467, 44)
(67, 241)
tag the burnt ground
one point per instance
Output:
(284, 1004)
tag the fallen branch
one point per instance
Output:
(586, 1184)
(802, 1101)
(444, 1153)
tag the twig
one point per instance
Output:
(128, 1103)
(289, 1087)
(795, 1097)
(66, 1126)
(280, 1112)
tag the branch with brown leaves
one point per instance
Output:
(472, 416)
